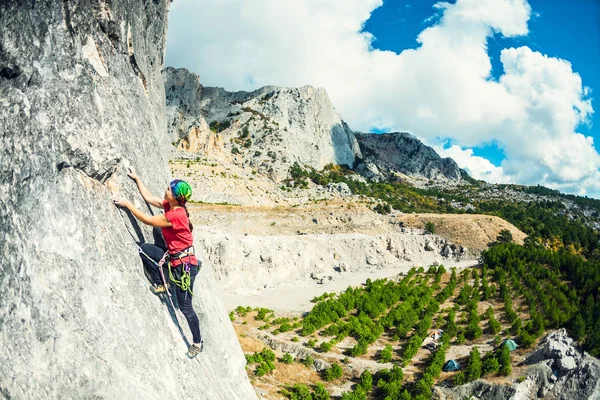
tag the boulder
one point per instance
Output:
(566, 363)
(447, 251)
(266, 259)
(429, 246)
(340, 189)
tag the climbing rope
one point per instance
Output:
(158, 264)
(185, 283)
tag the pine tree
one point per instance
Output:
(473, 370)
(504, 360)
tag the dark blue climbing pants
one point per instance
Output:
(184, 299)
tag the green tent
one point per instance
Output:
(451, 366)
(512, 346)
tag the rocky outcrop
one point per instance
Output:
(557, 369)
(268, 129)
(82, 97)
(246, 262)
(386, 155)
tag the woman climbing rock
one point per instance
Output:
(181, 263)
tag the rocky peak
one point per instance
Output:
(82, 98)
(268, 129)
(386, 155)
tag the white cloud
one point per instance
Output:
(442, 88)
(477, 167)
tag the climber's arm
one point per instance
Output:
(159, 221)
(148, 197)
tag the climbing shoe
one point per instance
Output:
(195, 349)
(158, 289)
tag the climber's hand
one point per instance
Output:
(121, 202)
(131, 173)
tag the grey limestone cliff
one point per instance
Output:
(272, 127)
(82, 98)
(268, 129)
(390, 153)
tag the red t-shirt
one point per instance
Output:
(178, 237)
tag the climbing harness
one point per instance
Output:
(185, 282)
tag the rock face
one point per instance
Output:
(82, 97)
(268, 129)
(557, 370)
(244, 263)
(384, 155)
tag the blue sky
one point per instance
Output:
(504, 87)
(568, 30)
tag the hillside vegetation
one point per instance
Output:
(519, 292)
(387, 321)
(557, 221)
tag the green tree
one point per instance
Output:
(490, 366)
(325, 347)
(333, 373)
(287, 358)
(430, 227)
(308, 361)
(459, 379)
(299, 392)
(504, 360)
(578, 327)
(320, 393)
(473, 370)
(366, 380)
(504, 236)
(357, 394)
(386, 354)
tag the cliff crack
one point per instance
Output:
(133, 61)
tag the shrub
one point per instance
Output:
(325, 347)
(242, 311)
(366, 380)
(504, 360)
(430, 227)
(473, 370)
(285, 327)
(382, 208)
(459, 379)
(504, 237)
(333, 373)
(386, 354)
(490, 366)
(320, 393)
(264, 368)
(267, 354)
(298, 392)
(262, 314)
(218, 126)
(287, 358)
(460, 337)
(308, 361)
